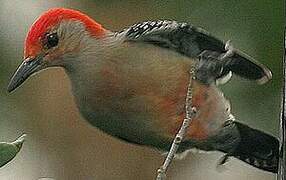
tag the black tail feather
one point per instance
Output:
(257, 148)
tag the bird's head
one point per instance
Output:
(57, 34)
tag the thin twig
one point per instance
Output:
(190, 112)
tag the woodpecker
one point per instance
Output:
(132, 84)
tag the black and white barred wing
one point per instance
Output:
(181, 37)
(192, 41)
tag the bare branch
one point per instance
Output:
(190, 113)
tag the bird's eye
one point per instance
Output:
(52, 40)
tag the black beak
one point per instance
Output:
(26, 69)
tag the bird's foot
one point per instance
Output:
(212, 65)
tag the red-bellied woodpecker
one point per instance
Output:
(132, 84)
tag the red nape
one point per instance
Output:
(51, 18)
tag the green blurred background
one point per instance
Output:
(62, 146)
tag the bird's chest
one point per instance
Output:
(128, 102)
(140, 96)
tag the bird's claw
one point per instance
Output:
(229, 50)
(224, 159)
(220, 166)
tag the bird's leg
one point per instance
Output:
(190, 113)
(212, 64)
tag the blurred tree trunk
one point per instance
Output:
(282, 162)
